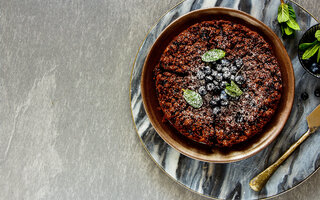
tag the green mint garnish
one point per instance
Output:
(192, 98)
(233, 89)
(317, 35)
(291, 12)
(288, 30)
(283, 13)
(305, 46)
(311, 51)
(287, 19)
(318, 58)
(293, 24)
(213, 55)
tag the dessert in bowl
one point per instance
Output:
(218, 85)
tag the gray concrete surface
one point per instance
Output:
(65, 125)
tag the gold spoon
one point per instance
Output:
(261, 179)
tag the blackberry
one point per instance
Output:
(232, 77)
(213, 103)
(210, 87)
(216, 110)
(227, 75)
(304, 96)
(219, 67)
(223, 95)
(219, 77)
(239, 62)
(202, 90)
(200, 75)
(208, 79)
(239, 79)
(216, 98)
(314, 68)
(224, 102)
(225, 69)
(225, 62)
(233, 69)
(214, 73)
(223, 84)
(207, 70)
(216, 89)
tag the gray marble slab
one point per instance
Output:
(66, 131)
(230, 181)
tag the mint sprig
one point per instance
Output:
(287, 19)
(305, 46)
(310, 49)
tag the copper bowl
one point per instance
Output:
(195, 150)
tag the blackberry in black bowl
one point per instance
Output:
(315, 68)
(307, 42)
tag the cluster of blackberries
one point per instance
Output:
(217, 75)
(315, 68)
(219, 100)
(305, 95)
(312, 65)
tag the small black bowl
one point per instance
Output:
(308, 37)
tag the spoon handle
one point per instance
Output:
(261, 179)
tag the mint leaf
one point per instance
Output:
(317, 35)
(283, 13)
(192, 98)
(288, 30)
(291, 12)
(311, 51)
(282, 25)
(293, 24)
(305, 46)
(233, 89)
(318, 58)
(287, 19)
(213, 55)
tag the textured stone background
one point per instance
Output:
(65, 125)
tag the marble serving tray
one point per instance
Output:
(231, 181)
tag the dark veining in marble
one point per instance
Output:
(215, 180)
(265, 5)
(218, 3)
(183, 172)
(245, 5)
(196, 4)
(236, 193)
